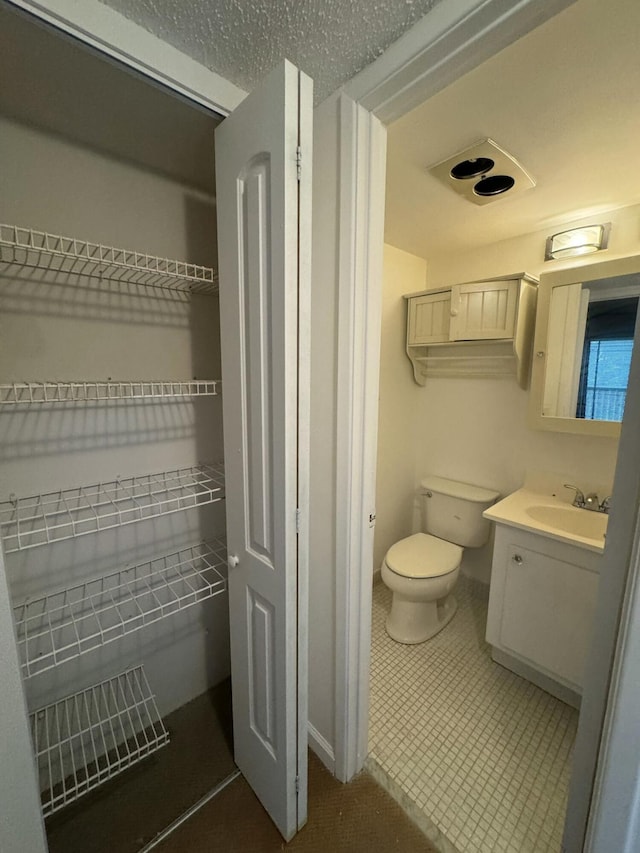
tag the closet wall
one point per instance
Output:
(68, 327)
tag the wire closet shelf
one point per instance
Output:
(69, 513)
(65, 624)
(41, 250)
(89, 737)
(16, 393)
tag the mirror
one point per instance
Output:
(583, 343)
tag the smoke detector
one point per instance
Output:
(483, 173)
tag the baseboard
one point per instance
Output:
(544, 682)
(322, 748)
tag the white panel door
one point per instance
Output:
(264, 269)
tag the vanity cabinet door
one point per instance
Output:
(429, 318)
(547, 612)
(485, 310)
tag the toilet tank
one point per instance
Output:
(453, 511)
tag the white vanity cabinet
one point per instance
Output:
(541, 607)
(481, 328)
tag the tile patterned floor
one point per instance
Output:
(484, 754)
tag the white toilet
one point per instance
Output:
(422, 569)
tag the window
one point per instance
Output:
(606, 359)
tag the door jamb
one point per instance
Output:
(361, 204)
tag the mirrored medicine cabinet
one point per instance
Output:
(584, 335)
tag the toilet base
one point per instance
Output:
(412, 622)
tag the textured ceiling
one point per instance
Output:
(242, 40)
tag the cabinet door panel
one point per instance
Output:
(429, 319)
(547, 612)
(483, 311)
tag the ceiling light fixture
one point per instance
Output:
(577, 241)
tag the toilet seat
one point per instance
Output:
(423, 556)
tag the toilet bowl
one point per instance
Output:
(421, 570)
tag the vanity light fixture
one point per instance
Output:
(577, 241)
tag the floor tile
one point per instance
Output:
(482, 752)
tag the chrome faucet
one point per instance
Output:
(590, 502)
(578, 499)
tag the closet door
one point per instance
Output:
(264, 287)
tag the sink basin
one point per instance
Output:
(544, 514)
(576, 522)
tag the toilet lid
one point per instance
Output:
(423, 556)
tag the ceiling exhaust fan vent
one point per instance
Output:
(483, 173)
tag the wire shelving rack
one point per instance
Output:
(62, 625)
(91, 736)
(69, 513)
(41, 250)
(16, 393)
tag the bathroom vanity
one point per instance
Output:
(544, 586)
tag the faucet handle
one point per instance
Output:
(605, 506)
(579, 496)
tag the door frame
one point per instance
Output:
(362, 166)
(604, 793)
(452, 39)
(455, 36)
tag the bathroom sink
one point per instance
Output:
(576, 522)
(543, 513)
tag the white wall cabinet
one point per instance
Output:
(482, 328)
(541, 607)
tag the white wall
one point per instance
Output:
(399, 397)
(476, 430)
(52, 328)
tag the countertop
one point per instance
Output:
(576, 526)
